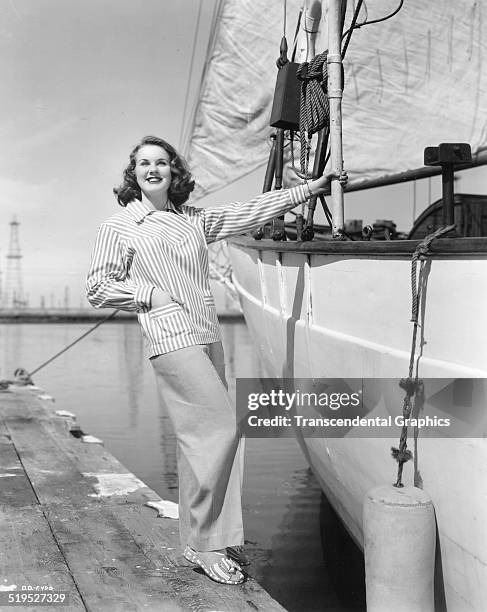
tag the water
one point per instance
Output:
(107, 381)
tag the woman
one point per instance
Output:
(152, 258)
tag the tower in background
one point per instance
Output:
(13, 294)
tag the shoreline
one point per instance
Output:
(83, 315)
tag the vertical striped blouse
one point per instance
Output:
(140, 248)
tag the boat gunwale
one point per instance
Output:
(443, 246)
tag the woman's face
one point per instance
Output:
(153, 171)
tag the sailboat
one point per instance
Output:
(335, 308)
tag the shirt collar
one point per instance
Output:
(140, 209)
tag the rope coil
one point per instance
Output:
(314, 110)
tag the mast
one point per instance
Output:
(335, 87)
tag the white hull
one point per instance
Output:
(340, 315)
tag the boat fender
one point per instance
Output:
(399, 546)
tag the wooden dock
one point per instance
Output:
(74, 519)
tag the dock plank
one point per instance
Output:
(159, 538)
(121, 556)
(51, 473)
(112, 572)
(86, 529)
(30, 556)
(15, 487)
(21, 403)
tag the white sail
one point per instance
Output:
(412, 81)
(231, 128)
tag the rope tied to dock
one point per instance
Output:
(23, 378)
(413, 386)
(104, 320)
(314, 109)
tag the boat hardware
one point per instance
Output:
(278, 232)
(448, 155)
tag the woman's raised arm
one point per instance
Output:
(221, 222)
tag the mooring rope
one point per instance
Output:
(22, 377)
(413, 386)
(104, 320)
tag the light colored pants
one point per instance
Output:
(192, 385)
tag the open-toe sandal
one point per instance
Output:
(237, 553)
(221, 571)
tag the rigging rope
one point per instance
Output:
(414, 386)
(352, 27)
(190, 75)
(357, 26)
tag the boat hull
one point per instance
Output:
(344, 312)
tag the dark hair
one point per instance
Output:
(182, 183)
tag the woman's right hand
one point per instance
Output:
(160, 298)
(319, 185)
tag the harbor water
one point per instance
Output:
(299, 550)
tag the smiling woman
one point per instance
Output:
(157, 171)
(153, 173)
(152, 258)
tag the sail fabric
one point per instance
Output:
(231, 131)
(413, 81)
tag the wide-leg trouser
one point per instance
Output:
(192, 385)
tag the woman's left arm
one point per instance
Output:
(221, 222)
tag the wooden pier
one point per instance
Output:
(73, 519)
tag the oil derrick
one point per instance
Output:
(13, 296)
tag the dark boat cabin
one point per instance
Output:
(470, 217)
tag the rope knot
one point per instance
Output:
(22, 377)
(316, 70)
(422, 250)
(281, 62)
(401, 456)
(409, 385)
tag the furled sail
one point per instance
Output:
(412, 81)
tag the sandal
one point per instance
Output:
(221, 571)
(237, 553)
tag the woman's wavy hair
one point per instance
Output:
(182, 183)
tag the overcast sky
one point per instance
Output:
(82, 81)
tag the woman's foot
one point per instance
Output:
(216, 565)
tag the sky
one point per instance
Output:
(82, 82)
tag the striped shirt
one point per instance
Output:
(140, 248)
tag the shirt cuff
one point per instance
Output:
(142, 297)
(298, 194)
